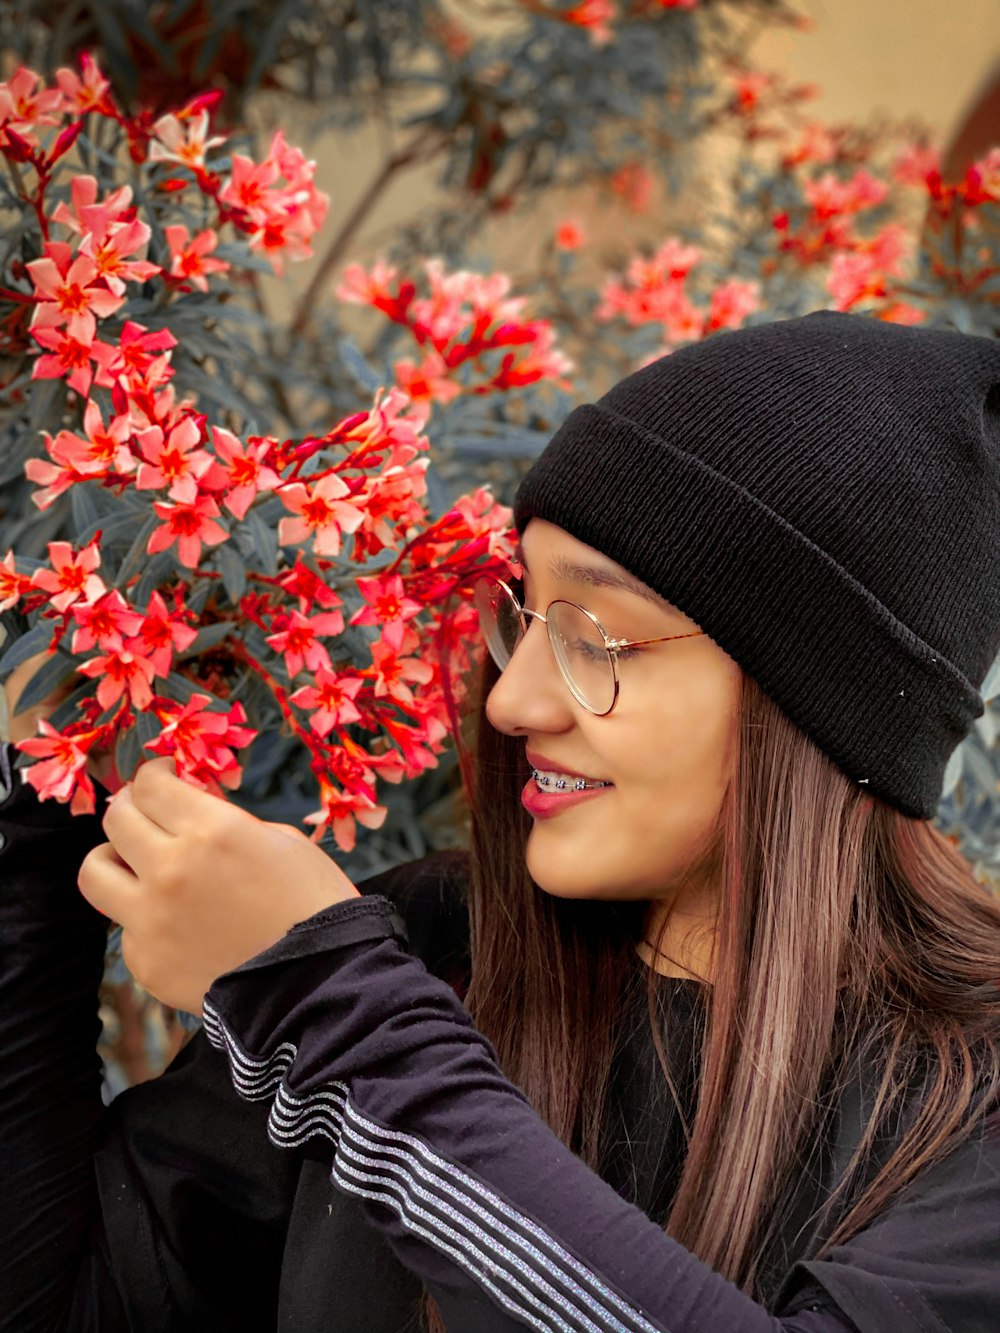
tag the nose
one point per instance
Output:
(530, 695)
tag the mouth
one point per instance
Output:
(552, 777)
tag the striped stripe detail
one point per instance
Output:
(523, 1268)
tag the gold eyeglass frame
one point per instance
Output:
(612, 646)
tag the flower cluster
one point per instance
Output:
(471, 333)
(217, 584)
(655, 291)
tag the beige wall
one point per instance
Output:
(902, 59)
(899, 57)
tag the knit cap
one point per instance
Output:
(822, 496)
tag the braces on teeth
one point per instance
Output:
(581, 784)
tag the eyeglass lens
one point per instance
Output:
(576, 641)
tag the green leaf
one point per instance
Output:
(35, 641)
(46, 680)
(209, 637)
(233, 571)
(136, 554)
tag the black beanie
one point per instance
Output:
(822, 497)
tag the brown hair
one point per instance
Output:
(846, 931)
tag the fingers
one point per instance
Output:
(169, 802)
(107, 883)
(138, 840)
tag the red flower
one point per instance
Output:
(174, 462)
(162, 634)
(202, 740)
(73, 359)
(388, 606)
(106, 623)
(330, 700)
(122, 672)
(297, 639)
(247, 475)
(190, 260)
(190, 526)
(72, 577)
(13, 585)
(323, 514)
(67, 294)
(62, 772)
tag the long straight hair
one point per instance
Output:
(845, 930)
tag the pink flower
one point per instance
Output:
(87, 94)
(24, 106)
(182, 139)
(121, 673)
(392, 671)
(73, 359)
(361, 286)
(202, 740)
(246, 473)
(190, 258)
(72, 577)
(138, 349)
(100, 450)
(190, 526)
(248, 185)
(916, 164)
(731, 303)
(110, 255)
(67, 295)
(570, 235)
(596, 16)
(161, 635)
(173, 461)
(427, 381)
(322, 514)
(106, 623)
(62, 772)
(339, 810)
(330, 700)
(13, 585)
(85, 216)
(308, 587)
(388, 606)
(297, 639)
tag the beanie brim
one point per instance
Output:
(893, 733)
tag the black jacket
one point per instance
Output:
(340, 1137)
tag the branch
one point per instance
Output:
(404, 158)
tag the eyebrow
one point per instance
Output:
(594, 577)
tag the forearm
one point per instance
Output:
(350, 1037)
(51, 959)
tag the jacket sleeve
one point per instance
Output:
(344, 1035)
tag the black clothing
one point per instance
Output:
(172, 1209)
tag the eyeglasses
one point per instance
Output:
(585, 653)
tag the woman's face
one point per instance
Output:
(666, 747)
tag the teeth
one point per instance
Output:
(564, 781)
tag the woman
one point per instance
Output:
(728, 1057)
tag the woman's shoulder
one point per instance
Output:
(430, 895)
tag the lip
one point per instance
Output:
(551, 766)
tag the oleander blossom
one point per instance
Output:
(60, 769)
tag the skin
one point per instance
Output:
(668, 747)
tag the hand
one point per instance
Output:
(198, 885)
